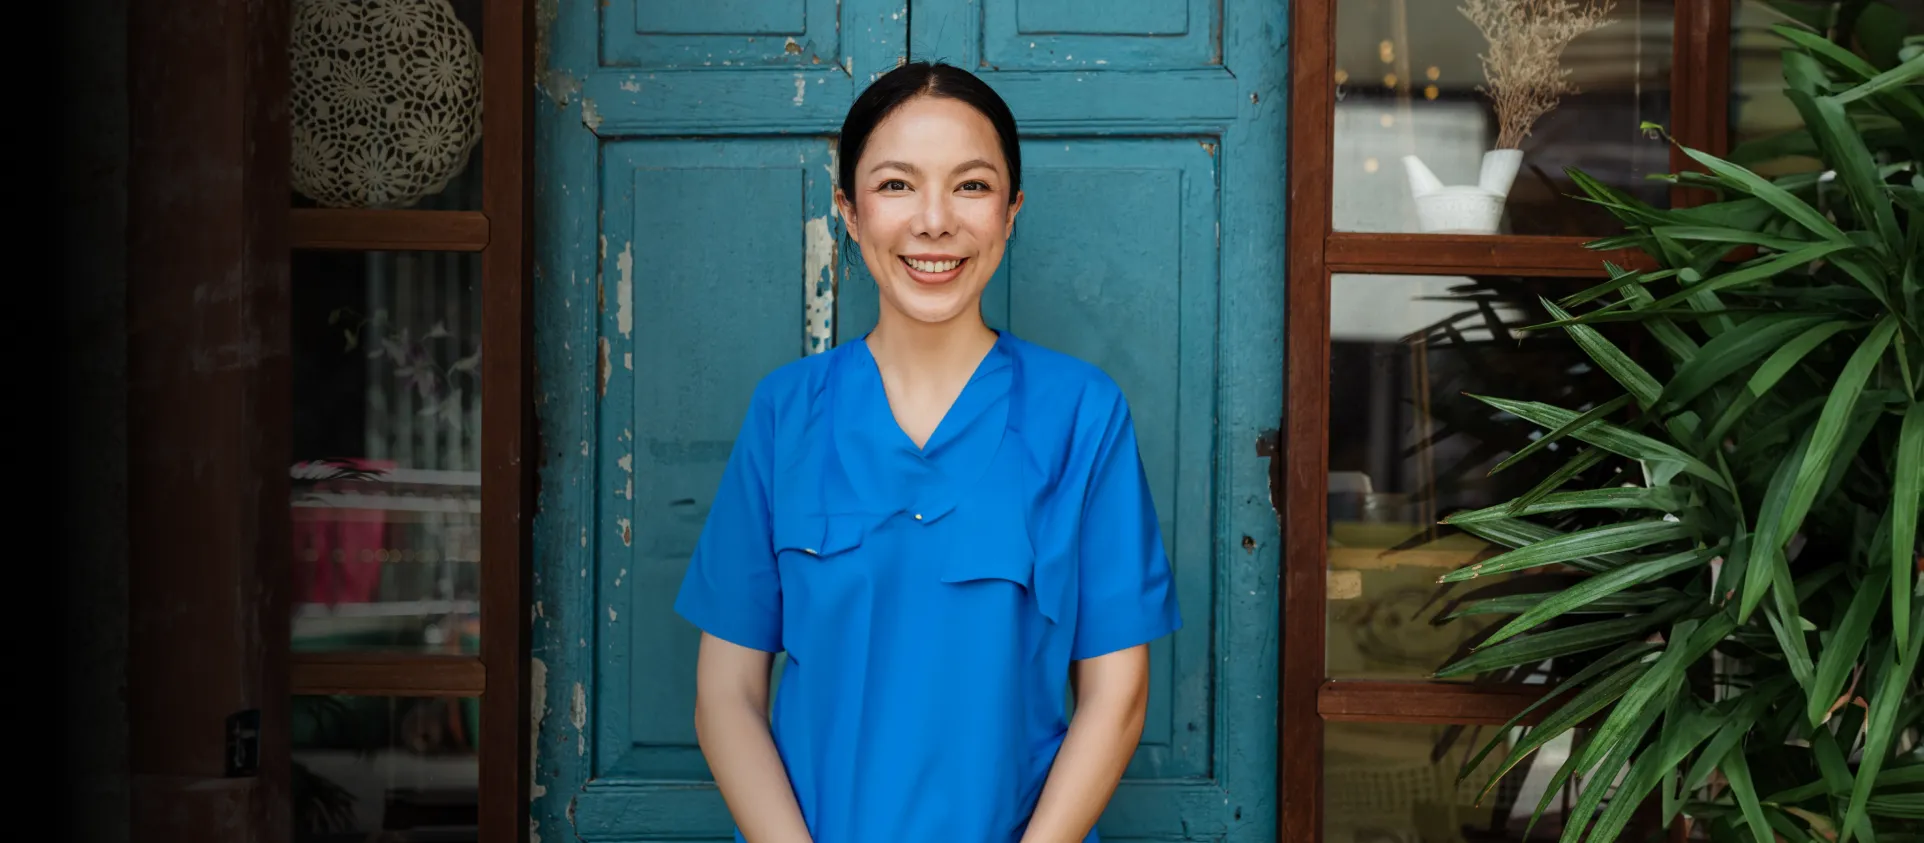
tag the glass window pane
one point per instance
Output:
(398, 770)
(1758, 108)
(387, 450)
(1407, 80)
(385, 99)
(1408, 447)
(1397, 783)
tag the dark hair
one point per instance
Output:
(921, 78)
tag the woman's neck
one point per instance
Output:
(916, 352)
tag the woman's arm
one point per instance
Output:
(731, 724)
(1112, 694)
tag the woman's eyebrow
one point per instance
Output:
(904, 166)
(911, 169)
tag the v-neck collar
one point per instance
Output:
(881, 470)
(960, 412)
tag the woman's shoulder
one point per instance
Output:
(795, 383)
(1057, 376)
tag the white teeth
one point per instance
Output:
(933, 266)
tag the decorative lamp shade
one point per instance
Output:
(385, 100)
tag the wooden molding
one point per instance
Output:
(508, 445)
(1466, 254)
(362, 230)
(1300, 467)
(377, 674)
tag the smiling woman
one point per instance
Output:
(939, 523)
(930, 183)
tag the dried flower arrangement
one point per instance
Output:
(1524, 65)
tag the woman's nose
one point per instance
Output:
(936, 216)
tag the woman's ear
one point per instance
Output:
(847, 209)
(1008, 231)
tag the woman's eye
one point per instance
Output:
(977, 186)
(895, 184)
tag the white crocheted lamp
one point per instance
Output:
(385, 100)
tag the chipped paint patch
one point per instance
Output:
(792, 48)
(612, 617)
(590, 116)
(578, 708)
(627, 463)
(560, 85)
(604, 366)
(627, 532)
(624, 572)
(628, 360)
(537, 711)
(819, 283)
(584, 447)
(801, 89)
(625, 290)
(631, 86)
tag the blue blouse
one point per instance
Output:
(930, 599)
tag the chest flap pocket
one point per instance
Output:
(819, 536)
(997, 550)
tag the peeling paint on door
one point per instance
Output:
(625, 290)
(604, 366)
(537, 709)
(818, 279)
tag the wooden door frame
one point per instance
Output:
(208, 432)
(1700, 84)
(209, 404)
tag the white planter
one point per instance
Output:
(1463, 208)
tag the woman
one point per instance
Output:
(939, 523)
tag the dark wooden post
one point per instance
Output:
(208, 432)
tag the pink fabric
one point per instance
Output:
(358, 535)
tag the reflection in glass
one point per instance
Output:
(397, 770)
(1397, 783)
(387, 449)
(1758, 107)
(1759, 110)
(1408, 447)
(1407, 74)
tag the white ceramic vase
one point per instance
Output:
(1463, 208)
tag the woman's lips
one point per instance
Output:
(933, 269)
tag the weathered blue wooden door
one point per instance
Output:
(687, 245)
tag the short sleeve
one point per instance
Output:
(731, 590)
(1126, 592)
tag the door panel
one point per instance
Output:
(711, 285)
(1100, 35)
(687, 245)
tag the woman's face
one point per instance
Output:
(932, 208)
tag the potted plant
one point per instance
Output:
(1752, 605)
(1524, 79)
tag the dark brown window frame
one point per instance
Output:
(502, 232)
(1700, 81)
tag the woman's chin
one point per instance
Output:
(931, 306)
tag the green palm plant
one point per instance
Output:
(1751, 611)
